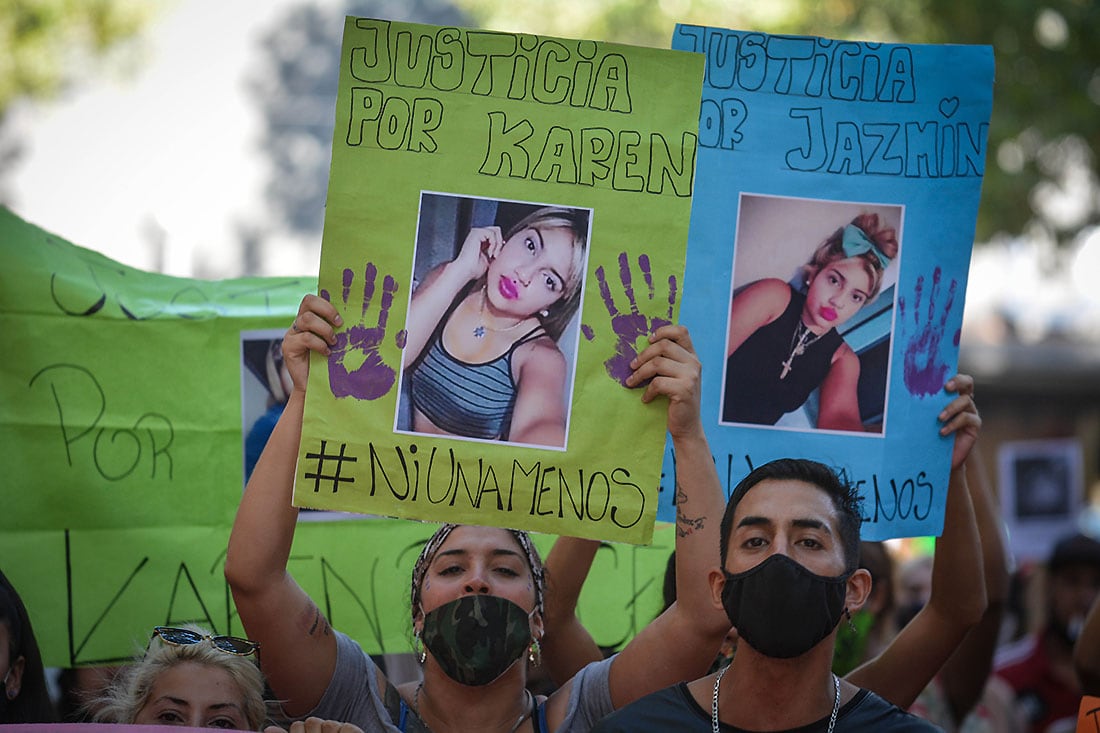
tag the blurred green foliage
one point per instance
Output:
(48, 44)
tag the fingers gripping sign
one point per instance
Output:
(925, 363)
(669, 366)
(632, 328)
(961, 418)
(356, 366)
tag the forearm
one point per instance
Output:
(567, 568)
(700, 504)
(958, 584)
(429, 304)
(567, 646)
(965, 673)
(259, 544)
(995, 556)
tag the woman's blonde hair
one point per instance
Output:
(129, 692)
(884, 238)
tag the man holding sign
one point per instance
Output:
(788, 575)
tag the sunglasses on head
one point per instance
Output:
(228, 644)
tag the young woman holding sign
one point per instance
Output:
(481, 353)
(467, 574)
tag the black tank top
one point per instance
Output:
(754, 392)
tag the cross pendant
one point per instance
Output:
(786, 369)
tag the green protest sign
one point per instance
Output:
(121, 430)
(505, 225)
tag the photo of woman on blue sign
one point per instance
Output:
(813, 351)
(498, 285)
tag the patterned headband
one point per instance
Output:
(431, 547)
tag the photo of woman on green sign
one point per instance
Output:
(484, 356)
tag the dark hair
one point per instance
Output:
(845, 499)
(1072, 551)
(32, 704)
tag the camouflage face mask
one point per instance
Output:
(475, 639)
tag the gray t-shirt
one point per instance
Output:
(352, 694)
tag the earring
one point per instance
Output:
(544, 313)
(418, 648)
(848, 615)
(534, 653)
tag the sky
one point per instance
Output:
(169, 152)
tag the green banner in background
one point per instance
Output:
(120, 429)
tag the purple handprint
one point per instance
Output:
(632, 326)
(355, 366)
(925, 368)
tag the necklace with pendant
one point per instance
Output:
(714, 725)
(481, 327)
(801, 339)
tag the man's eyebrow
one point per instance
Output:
(754, 521)
(812, 524)
(757, 521)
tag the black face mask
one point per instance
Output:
(476, 638)
(781, 609)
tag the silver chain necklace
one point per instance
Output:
(714, 703)
(800, 341)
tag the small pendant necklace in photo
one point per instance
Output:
(481, 327)
(801, 339)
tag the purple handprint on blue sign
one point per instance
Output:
(925, 361)
(634, 325)
(356, 367)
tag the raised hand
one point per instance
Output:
(632, 329)
(481, 246)
(669, 366)
(961, 418)
(925, 361)
(356, 367)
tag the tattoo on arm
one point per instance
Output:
(319, 620)
(687, 525)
